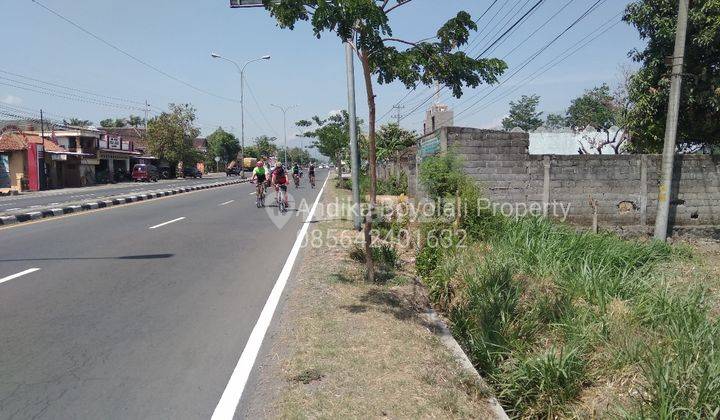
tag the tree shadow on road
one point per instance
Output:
(124, 257)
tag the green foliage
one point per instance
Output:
(265, 146)
(656, 22)
(298, 155)
(223, 145)
(595, 107)
(76, 122)
(393, 139)
(332, 135)
(524, 114)
(132, 121)
(170, 135)
(555, 121)
(442, 175)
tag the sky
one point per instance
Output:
(176, 38)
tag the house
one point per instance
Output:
(201, 145)
(22, 161)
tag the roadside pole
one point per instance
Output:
(671, 125)
(354, 152)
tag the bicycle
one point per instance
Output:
(260, 195)
(312, 180)
(296, 178)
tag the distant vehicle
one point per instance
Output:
(144, 172)
(191, 172)
(233, 169)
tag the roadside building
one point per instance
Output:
(76, 165)
(22, 159)
(201, 145)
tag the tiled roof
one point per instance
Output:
(15, 141)
(200, 143)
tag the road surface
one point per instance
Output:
(36, 201)
(136, 311)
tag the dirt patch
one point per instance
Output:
(348, 349)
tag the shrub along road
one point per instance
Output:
(103, 317)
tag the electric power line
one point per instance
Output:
(129, 55)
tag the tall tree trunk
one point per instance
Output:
(372, 157)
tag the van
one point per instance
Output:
(145, 172)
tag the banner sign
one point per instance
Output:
(245, 3)
(114, 143)
(430, 146)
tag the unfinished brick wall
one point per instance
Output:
(624, 188)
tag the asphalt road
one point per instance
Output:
(35, 201)
(130, 316)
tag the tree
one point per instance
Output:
(75, 122)
(298, 155)
(113, 123)
(365, 24)
(656, 22)
(524, 114)
(595, 107)
(393, 139)
(332, 135)
(106, 123)
(223, 145)
(555, 121)
(135, 121)
(170, 135)
(266, 146)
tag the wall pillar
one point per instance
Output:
(643, 190)
(546, 184)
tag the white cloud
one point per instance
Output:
(11, 100)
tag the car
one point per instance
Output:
(234, 171)
(191, 172)
(145, 172)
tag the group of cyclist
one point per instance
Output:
(277, 177)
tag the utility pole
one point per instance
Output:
(671, 125)
(42, 136)
(146, 113)
(399, 114)
(354, 152)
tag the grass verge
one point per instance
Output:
(567, 324)
(348, 349)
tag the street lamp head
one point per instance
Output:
(265, 57)
(215, 55)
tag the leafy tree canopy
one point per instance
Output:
(170, 135)
(332, 135)
(266, 146)
(555, 121)
(393, 139)
(649, 88)
(595, 107)
(76, 122)
(223, 145)
(524, 114)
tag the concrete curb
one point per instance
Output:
(446, 337)
(93, 205)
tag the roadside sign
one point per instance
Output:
(245, 3)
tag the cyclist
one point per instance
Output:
(296, 174)
(311, 174)
(280, 181)
(259, 176)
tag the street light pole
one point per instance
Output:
(671, 125)
(241, 70)
(284, 111)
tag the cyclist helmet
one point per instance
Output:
(259, 164)
(278, 164)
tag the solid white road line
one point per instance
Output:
(167, 223)
(230, 398)
(227, 202)
(22, 273)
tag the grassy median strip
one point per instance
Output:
(579, 325)
(349, 349)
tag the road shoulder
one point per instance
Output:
(341, 347)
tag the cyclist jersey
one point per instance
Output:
(311, 170)
(296, 169)
(280, 177)
(259, 173)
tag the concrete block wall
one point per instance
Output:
(624, 187)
